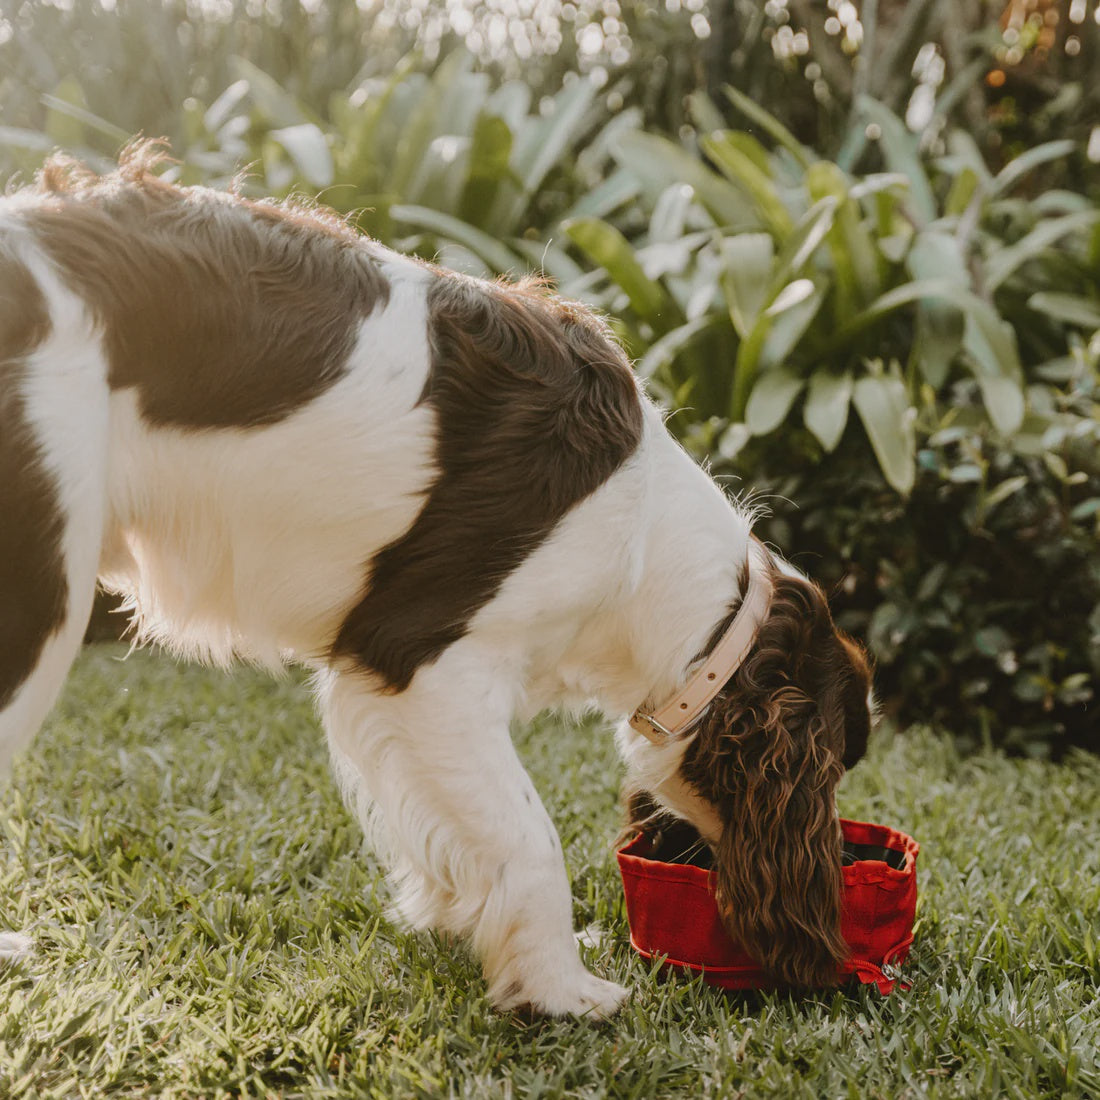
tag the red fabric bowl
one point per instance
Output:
(672, 911)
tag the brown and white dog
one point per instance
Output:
(447, 496)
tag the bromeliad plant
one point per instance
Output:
(913, 356)
(449, 162)
(444, 163)
(770, 288)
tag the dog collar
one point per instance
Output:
(686, 708)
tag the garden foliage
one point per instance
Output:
(892, 341)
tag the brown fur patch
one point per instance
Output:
(769, 756)
(33, 588)
(537, 407)
(220, 312)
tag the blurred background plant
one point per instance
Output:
(854, 247)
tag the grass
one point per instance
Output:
(206, 924)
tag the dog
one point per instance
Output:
(452, 500)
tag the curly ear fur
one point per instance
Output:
(769, 756)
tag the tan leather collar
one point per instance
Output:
(678, 715)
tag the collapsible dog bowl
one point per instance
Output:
(673, 914)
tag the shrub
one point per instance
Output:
(979, 594)
(912, 356)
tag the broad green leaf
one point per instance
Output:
(555, 133)
(659, 163)
(487, 165)
(435, 134)
(593, 156)
(61, 109)
(771, 399)
(1073, 309)
(787, 322)
(1057, 201)
(747, 274)
(790, 296)
(277, 107)
(666, 223)
(937, 255)
(1057, 465)
(704, 115)
(604, 244)
(850, 243)
(743, 172)
(998, 340)
(465, 96)
(963, 154)
(769, 124)
(63, 126)
(1004, 401)
(441, 173)
(1005, 262)
(800, 246)
(1002, 491)
(900, 149)
(671, 257)
(416, 136)
(940, 324)
(991, 349)
(308, 148)
(1086, 509)
(937, 340)
(495, 254)
(746, 366)
(606, 197)
(512, 102)
(540, 143)
(661, 352)
(827, 402)
(768, 344)
(702, 291)
(963, 188)
(895, 246)
(878, 182)
(751, 148)
(358, 153)
(88, 118)
(221, 110)
(947, 290)
(1026, 162)
(884, 409)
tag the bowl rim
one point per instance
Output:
(634, 857)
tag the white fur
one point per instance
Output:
(65, 396)
(254, 543)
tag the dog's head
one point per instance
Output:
(757, 779)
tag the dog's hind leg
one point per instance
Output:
(53, 456)
(475, 852)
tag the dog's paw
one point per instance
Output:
(585, 996)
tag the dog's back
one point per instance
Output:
(271, 434)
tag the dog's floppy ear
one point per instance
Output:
(769, 756)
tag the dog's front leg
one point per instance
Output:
(473, 848)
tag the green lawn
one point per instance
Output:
(207, 925)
